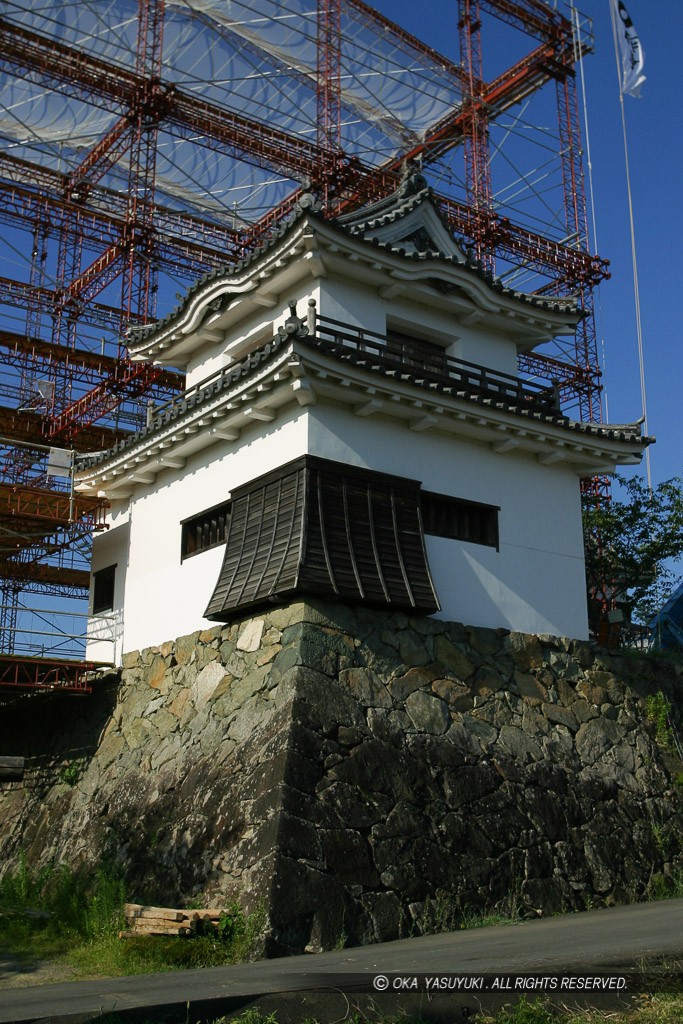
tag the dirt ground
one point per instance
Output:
(24, 971)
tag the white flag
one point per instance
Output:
(632, 56)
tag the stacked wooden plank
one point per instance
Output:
(143, 920)
(11, 768)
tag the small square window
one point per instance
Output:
(103, 590)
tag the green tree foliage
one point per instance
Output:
(629, 540)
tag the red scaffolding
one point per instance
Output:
(112, 221)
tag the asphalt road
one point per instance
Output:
(616, 940)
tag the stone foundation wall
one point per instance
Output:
(360, 772)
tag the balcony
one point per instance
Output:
(413, 360)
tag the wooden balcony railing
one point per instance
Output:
(392, 353)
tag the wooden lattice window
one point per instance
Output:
(207, 530)
(457, 519)
(416, 353)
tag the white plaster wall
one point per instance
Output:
(254, 330)
(535, 582)
(164, 598)
(110, 547)
(486, 348)
(347, 300)
(344, 299)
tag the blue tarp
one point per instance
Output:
(667, 625)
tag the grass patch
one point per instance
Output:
(73, 917)
(659, 1009)
(655, 1009)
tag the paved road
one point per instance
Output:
(617, 939)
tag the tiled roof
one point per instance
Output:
(356, 225)
(176, 409)
(295, 329)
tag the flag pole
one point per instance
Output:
(634, 90)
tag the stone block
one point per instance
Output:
(545, 895)
(164, 722)
(530, 688)
(347, 857)
(401, 686)
(519, 744)
(485, 641)
(350, 736)
(250, 637)
(413, 648)
(207, 636)
(566, 692)
(269, 654)
(594, 694)
(382, 725)
(452, 658)
(354, 808)
(485, 733)
(384, 909)
(427, 713)
(167, 751)
(306, 908)
(136, 733)
(280, 618)
(450, 691)
(300, 839)
(365, 686)
(468, 784)
(206, 683)
(526, 651)
(564, 666)
(185, 648)
(486, 681)
(560, 715)
(583, 710)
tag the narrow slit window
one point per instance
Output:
(457, 519)
(207, 530)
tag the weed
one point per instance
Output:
(69, 773)
(665, 887)
(440, 914)
(651, 1009)
(482, 918)
(666, 837)
(73, 903)
(505, 911)
(525, 1013)
(69, 914)
(659, 713)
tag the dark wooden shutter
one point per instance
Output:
(324, 528)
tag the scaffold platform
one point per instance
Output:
(53, 674)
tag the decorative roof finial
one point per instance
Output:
(412, 178)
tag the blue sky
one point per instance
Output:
(654, 135)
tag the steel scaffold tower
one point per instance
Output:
(140, 203)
